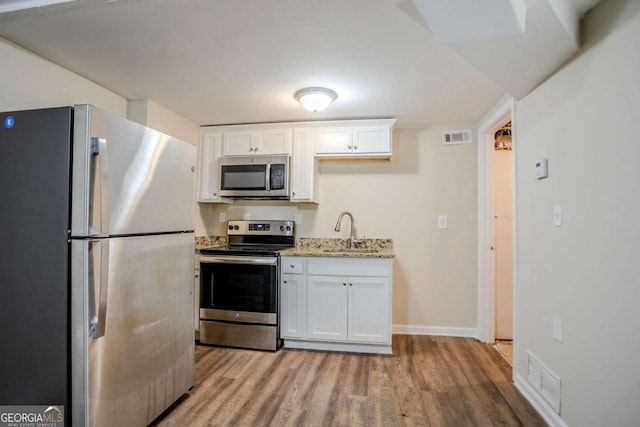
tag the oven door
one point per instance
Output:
(239, 289)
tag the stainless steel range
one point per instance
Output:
(239, 289)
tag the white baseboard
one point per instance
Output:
(538, 403)
(435, 330)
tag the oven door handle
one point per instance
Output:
(238, 260)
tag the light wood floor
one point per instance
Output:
(429, 381)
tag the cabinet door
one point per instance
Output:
(303, 166)
(274, 141)
(240, 143)
(371, 140)
(369, 309)
(327, 308)
(337, 140)
(291, 307)
(209, 152)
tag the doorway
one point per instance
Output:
(496, 241)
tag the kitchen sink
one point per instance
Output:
(350, 251)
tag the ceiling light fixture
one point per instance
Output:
(315, 98)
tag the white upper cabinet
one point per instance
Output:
(209, 151)
(257, 142)
(358, 138)
(304, 167)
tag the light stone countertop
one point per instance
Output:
(318, 247)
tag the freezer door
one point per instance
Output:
(144, 358)
(127, 178)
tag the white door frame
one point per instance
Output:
(486, 256)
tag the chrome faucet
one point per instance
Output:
(352, 239)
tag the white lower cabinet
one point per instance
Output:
(291, 306)
(327, 308)
(341, 304)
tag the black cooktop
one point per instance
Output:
(255, 238)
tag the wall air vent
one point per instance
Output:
(545, 383)
(454, 137)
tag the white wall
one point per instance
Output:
(435, 277)
(148, 113)
(585, 119)
(28, 81)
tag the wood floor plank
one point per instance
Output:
(429, 381)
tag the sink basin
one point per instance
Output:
(351, 251)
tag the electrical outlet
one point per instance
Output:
(557, 328)
(442, 222)
(222, 217)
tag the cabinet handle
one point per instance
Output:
(350, 284)
(344, 284)
(284, 281)
(292, 266)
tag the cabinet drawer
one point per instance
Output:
(349, 267)
(292, 265)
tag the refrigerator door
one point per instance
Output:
(34, 256)
(128, 179)
(144, 360)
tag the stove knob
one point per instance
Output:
(231, 227)
(235, 227)
(288, 228)
(282, 228)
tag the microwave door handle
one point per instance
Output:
(268, 184)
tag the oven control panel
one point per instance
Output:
(271, 228)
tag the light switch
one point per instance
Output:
(557, 216)
(222, 217)
(442, 222)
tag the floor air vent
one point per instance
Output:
(546, 383)
(456, 137)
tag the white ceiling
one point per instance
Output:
(240, 61)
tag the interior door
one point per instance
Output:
(503, 229)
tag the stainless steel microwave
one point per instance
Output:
(262, 177)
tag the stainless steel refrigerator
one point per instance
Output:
(96, 265)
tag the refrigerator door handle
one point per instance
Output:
(98, 286)
(99, 189)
